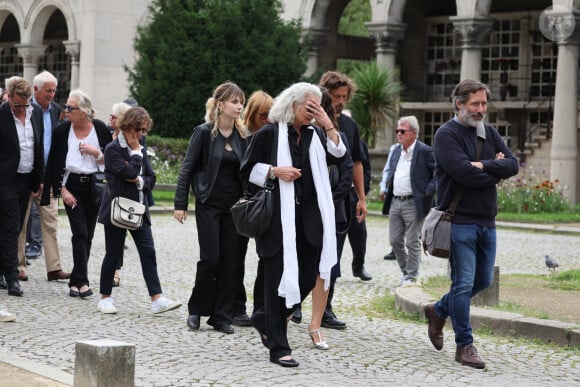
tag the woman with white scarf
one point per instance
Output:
(301, 240)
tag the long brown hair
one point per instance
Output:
(223, 93)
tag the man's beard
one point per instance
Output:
(471, 119)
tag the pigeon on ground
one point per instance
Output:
(551, 263)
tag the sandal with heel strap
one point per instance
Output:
(320, 344)
(116, 279)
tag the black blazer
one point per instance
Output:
(9, 150)
(120, 165)
(422, 178)
(55, 166)
(259, 151)
(202, 161)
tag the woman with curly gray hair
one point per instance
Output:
(301, 240)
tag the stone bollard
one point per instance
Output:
(100, 363)
(489, 296)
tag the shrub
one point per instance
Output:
(166, 157)
(531, 193)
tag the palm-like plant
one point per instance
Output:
(375, 103)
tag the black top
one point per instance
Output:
(228, 182)
(353, 141)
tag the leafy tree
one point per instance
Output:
(191, 46)
(375, 103)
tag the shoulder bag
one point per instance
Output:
(252, 214)
(436, 231)
(127, 213)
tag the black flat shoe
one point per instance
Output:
(224, 328)
(86, 293)
(242, 320)
(193, 322)
(73, 293)
(285, 363)
(14, 289)
(297, 316)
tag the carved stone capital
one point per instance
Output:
(473, 31)
(30, 53)
(317, 38)
(73, 48)
(386, 35)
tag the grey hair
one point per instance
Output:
(282, 108)
(44, 77)
(85, 102)
(464, 89)
(412, 121)
(119, 108)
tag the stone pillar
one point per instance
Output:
(473, 32)
(317, 40)
(73, 49)
(564, 151)
(104, 363)
(386, 37)
(30, 54)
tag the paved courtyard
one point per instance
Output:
(372, 351)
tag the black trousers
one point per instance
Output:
(82, 219)
(272, 316)
(240, 297)
(357, 235)
(12, 212)
(219, 244)
(115, 242)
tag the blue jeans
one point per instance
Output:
(472, 258)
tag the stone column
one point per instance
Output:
(564, 151)
(30, 54)
(473, 32)
(317, 40)
(73, 49)
(386, 37)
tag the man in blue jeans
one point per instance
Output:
(473, 234)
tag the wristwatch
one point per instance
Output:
(271, 174)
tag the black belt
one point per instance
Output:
(298, 200)
(79, 178)
(408, 197)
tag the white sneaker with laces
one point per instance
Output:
(408, 282)
(162, 304)
(107, 306)
(6, 317)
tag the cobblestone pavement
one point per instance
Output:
(372, 351)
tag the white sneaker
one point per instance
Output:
(408, 282)
(6, 317)
(107, 306)
(162, 304)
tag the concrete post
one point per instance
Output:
(490, 296)
(104, 363)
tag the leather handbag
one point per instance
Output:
(127, 213)
(252, 214)
(100, 185)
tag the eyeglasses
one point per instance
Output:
(263, 116)
(70, 109)
(21, 105)
(402, 131)
(144, 130)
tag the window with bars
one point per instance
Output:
(10, 63)
(544, 63)
(432, 122)
(500, 59)
(443, 60)
(58, 63)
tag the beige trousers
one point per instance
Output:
(48, 227)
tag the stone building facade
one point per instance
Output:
(526, 51)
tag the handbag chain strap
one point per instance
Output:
(451, 210)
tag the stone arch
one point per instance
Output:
(38, 16)
(15, 10)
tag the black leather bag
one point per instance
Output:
(252, 214)
(99, 185)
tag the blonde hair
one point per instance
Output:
(258, 101)
(223, 93)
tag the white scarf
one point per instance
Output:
(289, 285)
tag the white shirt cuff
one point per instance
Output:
(337, 150)
(259, 174)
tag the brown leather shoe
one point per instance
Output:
(22, 276)
(436, 325)
(468, 356)
(57, 275)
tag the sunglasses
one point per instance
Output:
(263, 116)
(144, 130)
(70, 109)
(402, 131)
(21, 105)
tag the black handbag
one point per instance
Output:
(99, 185)
(252, 214)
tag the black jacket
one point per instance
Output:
(202, 162)
(120, 165)
(55, 166)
